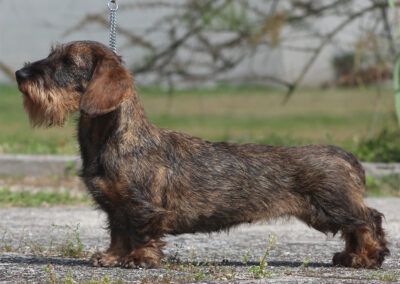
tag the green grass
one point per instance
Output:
(383, 186)
(9, 198)
(235, 113)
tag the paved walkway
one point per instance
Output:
(300, 255)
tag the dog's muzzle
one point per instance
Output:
(22, 75)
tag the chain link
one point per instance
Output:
(113, 6)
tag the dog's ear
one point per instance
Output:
(110, 84)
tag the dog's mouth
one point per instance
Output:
(23, 89)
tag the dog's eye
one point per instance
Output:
(67, 60)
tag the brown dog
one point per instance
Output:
(152, 181)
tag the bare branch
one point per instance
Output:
(97, 18)
(7, 71)
(325, 41)
(202, 40)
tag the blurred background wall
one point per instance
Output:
(28, 28)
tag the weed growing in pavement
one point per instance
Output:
(34, 247)
(193, 271)
(106, 279)
(50, 274)
(5, 244)
(305, 262)
(389, 276)
(246, 257)
(261, 271)
(69, 278)
(72, 245)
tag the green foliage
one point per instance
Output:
(388, 185)
(383, 148)
(371, 183)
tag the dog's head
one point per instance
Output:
(81, 75)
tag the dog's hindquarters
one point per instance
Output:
(333, 183)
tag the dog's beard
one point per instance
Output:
(47, 107)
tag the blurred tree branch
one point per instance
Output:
(202, 40)
(7, 71)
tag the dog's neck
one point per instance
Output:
(125, 129)
(132, 122)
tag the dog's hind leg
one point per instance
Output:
(366, 245)
(361, 228)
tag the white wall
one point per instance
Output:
(29, 27)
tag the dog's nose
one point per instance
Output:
(22, 74)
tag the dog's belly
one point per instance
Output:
(207, 224)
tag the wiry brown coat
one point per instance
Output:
(152, 181)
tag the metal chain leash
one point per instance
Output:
(113, 6)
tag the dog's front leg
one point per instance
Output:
(120, 246)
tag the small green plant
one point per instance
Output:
(50, 274)
(288, 271)
(72, 246)
(390, 276)
(199, 275)
(305, 262)
(384, 276)
(5, 245)
(246, 256)
(69, 279)
(261, 271)
(106, 279)
(34, 247)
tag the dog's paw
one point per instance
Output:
(132, 261)
(105, 259)
(144, 257)
(354, 260)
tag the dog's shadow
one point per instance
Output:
(39, 260)
(290, 264)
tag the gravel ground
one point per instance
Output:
(34, 240)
